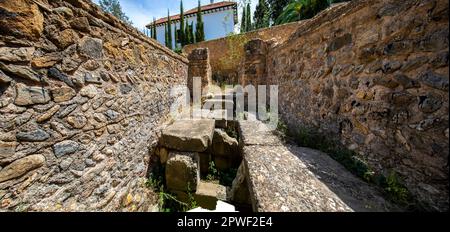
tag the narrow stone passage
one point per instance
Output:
(289, 178)
(272, 177)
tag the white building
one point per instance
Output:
(219, 20)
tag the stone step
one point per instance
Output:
(225, 151)
(182, 171)
(188, 135)
(221, 117)
(218, 104)
(208, 194)
(256, 133)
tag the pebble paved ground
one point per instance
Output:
(291, 178)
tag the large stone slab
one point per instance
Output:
(357, 194)
(280, 182)
(221, 117)
(208, 194)
(256, 133)
(182, 171)
(239, 193)
(188, 135)
(225, 151)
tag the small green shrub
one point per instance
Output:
(282, 128)
(395, 190)
(232, 132)
(178, 50)
(166, 201)
(223, 178)
(213, 173)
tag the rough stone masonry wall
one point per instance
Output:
(374, 74)
(82, 97)
(199, 67)
(226, 54)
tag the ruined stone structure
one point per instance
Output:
(372, 75)
(253, 71)
(85, 100)
(226, 54)
(199, 66)
(83, 97)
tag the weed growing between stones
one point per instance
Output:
(213, 173)
(232, 132)
(391, 185)
(235, 53)
(167, 202)
(222, 178)
(396, 190)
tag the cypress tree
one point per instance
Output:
(187, 35)
(262, 15)
(249, 18)
(182, 30)
(154, 29)
(199, 30)
(243, 21)
(169, 30)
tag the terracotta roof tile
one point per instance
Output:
(194, 11)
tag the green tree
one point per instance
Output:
(187, 35)
(249, 19)
(276, 8)
(113, 7)
(243, 21)
(191, 33)
(169, 30)
(154, 29)
(301, 9)
(182, 30)
(262, 15)
(199, 30)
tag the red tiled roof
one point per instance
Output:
(194, 11)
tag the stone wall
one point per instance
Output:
(374, 74)
(199, 66)
(253, 70)
(226, 54)
(82, 99)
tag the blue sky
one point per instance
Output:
(141, 12)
